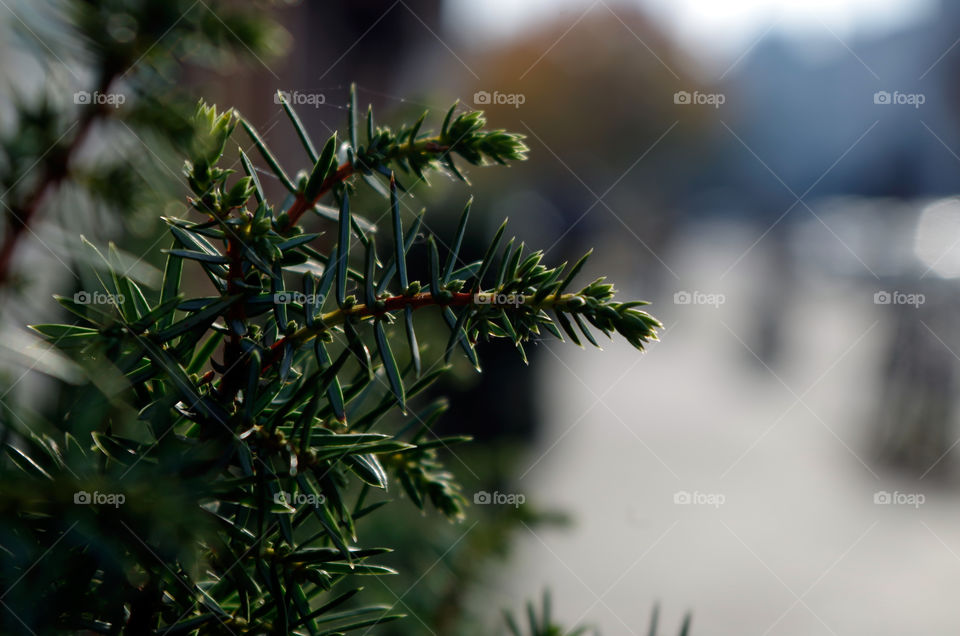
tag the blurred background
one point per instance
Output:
(778, 178)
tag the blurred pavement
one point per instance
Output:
(798, 547)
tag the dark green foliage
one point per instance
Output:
(213, 473)
(278, 420)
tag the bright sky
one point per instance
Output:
(708, 26)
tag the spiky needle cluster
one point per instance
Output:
(263, 395)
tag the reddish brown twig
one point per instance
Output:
(359, 312)
(301, 205)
